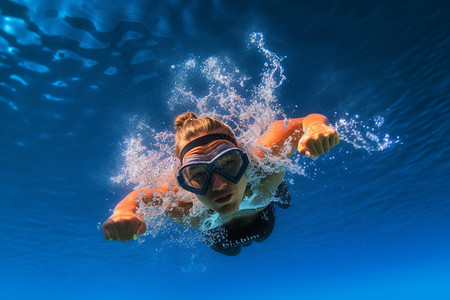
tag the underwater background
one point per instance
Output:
(368, 220)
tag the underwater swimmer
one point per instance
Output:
(213, 167)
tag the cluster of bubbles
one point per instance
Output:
(357, 132)
(248, 111)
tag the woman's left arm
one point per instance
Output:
(311, 136)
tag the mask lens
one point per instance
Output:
(195, 175)
(230, 163)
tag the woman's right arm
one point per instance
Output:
(125, 225)
(311, 136)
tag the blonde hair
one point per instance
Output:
(188, 127)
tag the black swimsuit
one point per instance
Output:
(229, 239)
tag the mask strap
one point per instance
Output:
(203, 140)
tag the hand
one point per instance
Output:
(317, 140)
(124, 226)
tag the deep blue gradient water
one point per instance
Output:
(77, 77)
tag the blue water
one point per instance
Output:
(78, 77)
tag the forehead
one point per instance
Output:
(209, 151)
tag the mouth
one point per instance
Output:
(223, 199)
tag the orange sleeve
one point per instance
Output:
(280, 131)
(151, 197)
(129, 203)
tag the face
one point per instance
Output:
(222, 195)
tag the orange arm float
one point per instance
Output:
(125, 225)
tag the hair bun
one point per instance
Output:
(182, 119)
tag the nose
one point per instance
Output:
(218, 183)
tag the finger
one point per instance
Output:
(337, 140)
(106, 232)
(332, 140)
(126, 232)
(130, 231)
(302, 149)
(312, 148)
(326, 144)
(319, 145)
(135, 228)
(114, 233)
(122, 230)
(142, 228)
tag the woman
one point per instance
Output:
(214, 168)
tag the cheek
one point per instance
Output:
(243, 184)
(204, 199)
